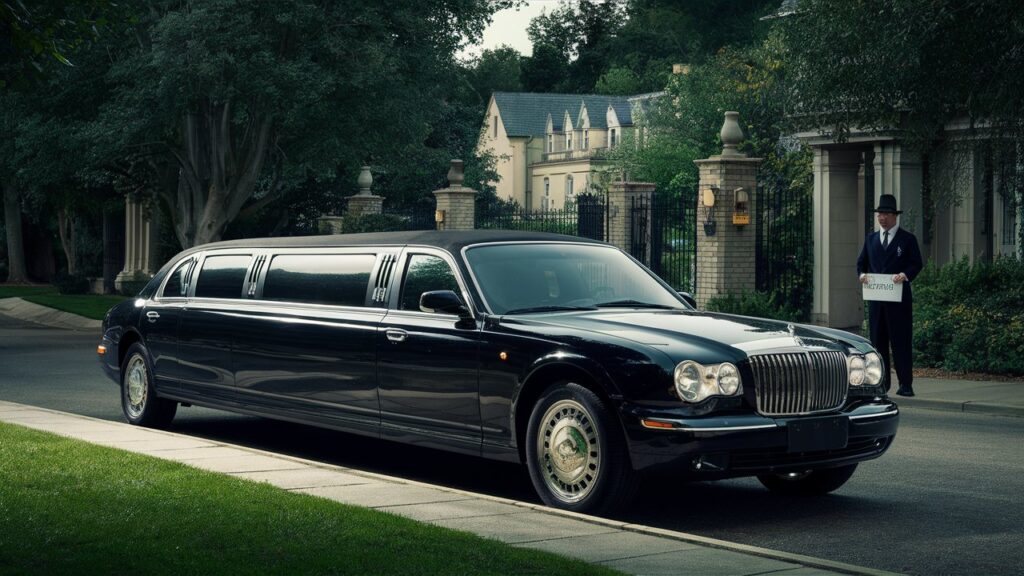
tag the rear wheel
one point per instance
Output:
(808, 482)
(576, 452)
(139, 401)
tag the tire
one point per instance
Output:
(810, 482)
(598, 479)
(139, 401)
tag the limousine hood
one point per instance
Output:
(669, 328)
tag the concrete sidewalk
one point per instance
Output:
(631, 548)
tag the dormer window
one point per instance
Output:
(551, 143)
(586, 139)
(568, 141)
(611, 138)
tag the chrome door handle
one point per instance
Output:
(396, 335)
(152, 316)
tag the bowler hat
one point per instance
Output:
(887, 203)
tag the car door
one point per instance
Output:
(428, 365)
(159, 320)
(209, 323)
(305, 344)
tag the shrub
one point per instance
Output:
(134, 285)
(970, 318)
(759, 304)
(71, 283)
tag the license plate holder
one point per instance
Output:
(818, 434)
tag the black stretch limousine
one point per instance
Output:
(558, 351)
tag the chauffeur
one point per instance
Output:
(892, 250)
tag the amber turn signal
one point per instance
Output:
(101, 349)
(655, 424)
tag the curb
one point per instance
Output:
(806, 561)
(965, 406)
(28, 311)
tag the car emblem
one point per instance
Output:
(792, 333)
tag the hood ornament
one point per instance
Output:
(792, 334)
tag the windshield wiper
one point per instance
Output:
(635, 304)
(548, 309)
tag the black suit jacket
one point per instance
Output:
(902, 255)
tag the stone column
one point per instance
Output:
(621, 197)
(726, 257)
(456, 204)
(139, 241)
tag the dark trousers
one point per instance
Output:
(891, 324)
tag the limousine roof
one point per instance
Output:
(450, 240)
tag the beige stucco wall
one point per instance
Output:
(557, 173)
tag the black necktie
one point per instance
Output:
(885, 240)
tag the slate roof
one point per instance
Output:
(526, 113)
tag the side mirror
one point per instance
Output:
(689, 299)
(443, 302)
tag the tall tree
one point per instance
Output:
(246, 100)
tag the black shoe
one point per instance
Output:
(905, 391)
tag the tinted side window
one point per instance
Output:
(425, 273)
(340, 279)
(222, 276)
(177, 283)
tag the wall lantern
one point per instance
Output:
(439, 216)
(741, 214)
(707, 201)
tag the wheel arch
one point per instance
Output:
(543, 376)
(127, 339)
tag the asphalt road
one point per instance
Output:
(946, 498)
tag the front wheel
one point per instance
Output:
(576, 452)
(139, 401)
(808, 482)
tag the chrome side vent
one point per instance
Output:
(793, 383)
(387, 268)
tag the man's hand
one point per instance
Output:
(899, 278)
(863, 278)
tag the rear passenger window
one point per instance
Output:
(339, 279)
(426, 273)
(177, 281)
(222, 276)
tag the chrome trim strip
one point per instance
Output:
(892, 412)
(677, 426)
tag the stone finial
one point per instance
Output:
(365, 180)
(731, 134)
(456, 174)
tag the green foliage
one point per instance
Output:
(71, 283)
(75, 508)
(970, 318)
(132, 286)
(351, 224)
(758, 304)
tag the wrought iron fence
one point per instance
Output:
(418, 216)
(584, 217)
(784, 248)
(664, 236)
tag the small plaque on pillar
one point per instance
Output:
(741, 219)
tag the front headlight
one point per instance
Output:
(873, 368)
(856, 369)
(696, 382)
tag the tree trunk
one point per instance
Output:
(218, 172)
(68, 240)
(16, 269)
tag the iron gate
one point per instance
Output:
(784, 249)
(664, 236)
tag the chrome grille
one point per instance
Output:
(799, 382)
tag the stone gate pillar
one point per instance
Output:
(456, 204)
(139, 244)
(726, 257)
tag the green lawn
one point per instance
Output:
(68, 507)
(93, 306)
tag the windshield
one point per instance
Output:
(528, 278)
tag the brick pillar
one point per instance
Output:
(620, 213)
(360, 204)
(139, 243)
(456, 204)
(726, 258)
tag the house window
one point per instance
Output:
(547, 187)
(495, 126)
(568, 186)
(551, 143)
(568, 141)
(586, 139)
(611, 138)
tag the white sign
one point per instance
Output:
(880, 287)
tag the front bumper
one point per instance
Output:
(747, 444)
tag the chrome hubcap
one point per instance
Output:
(569, 450)
(135, 382)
